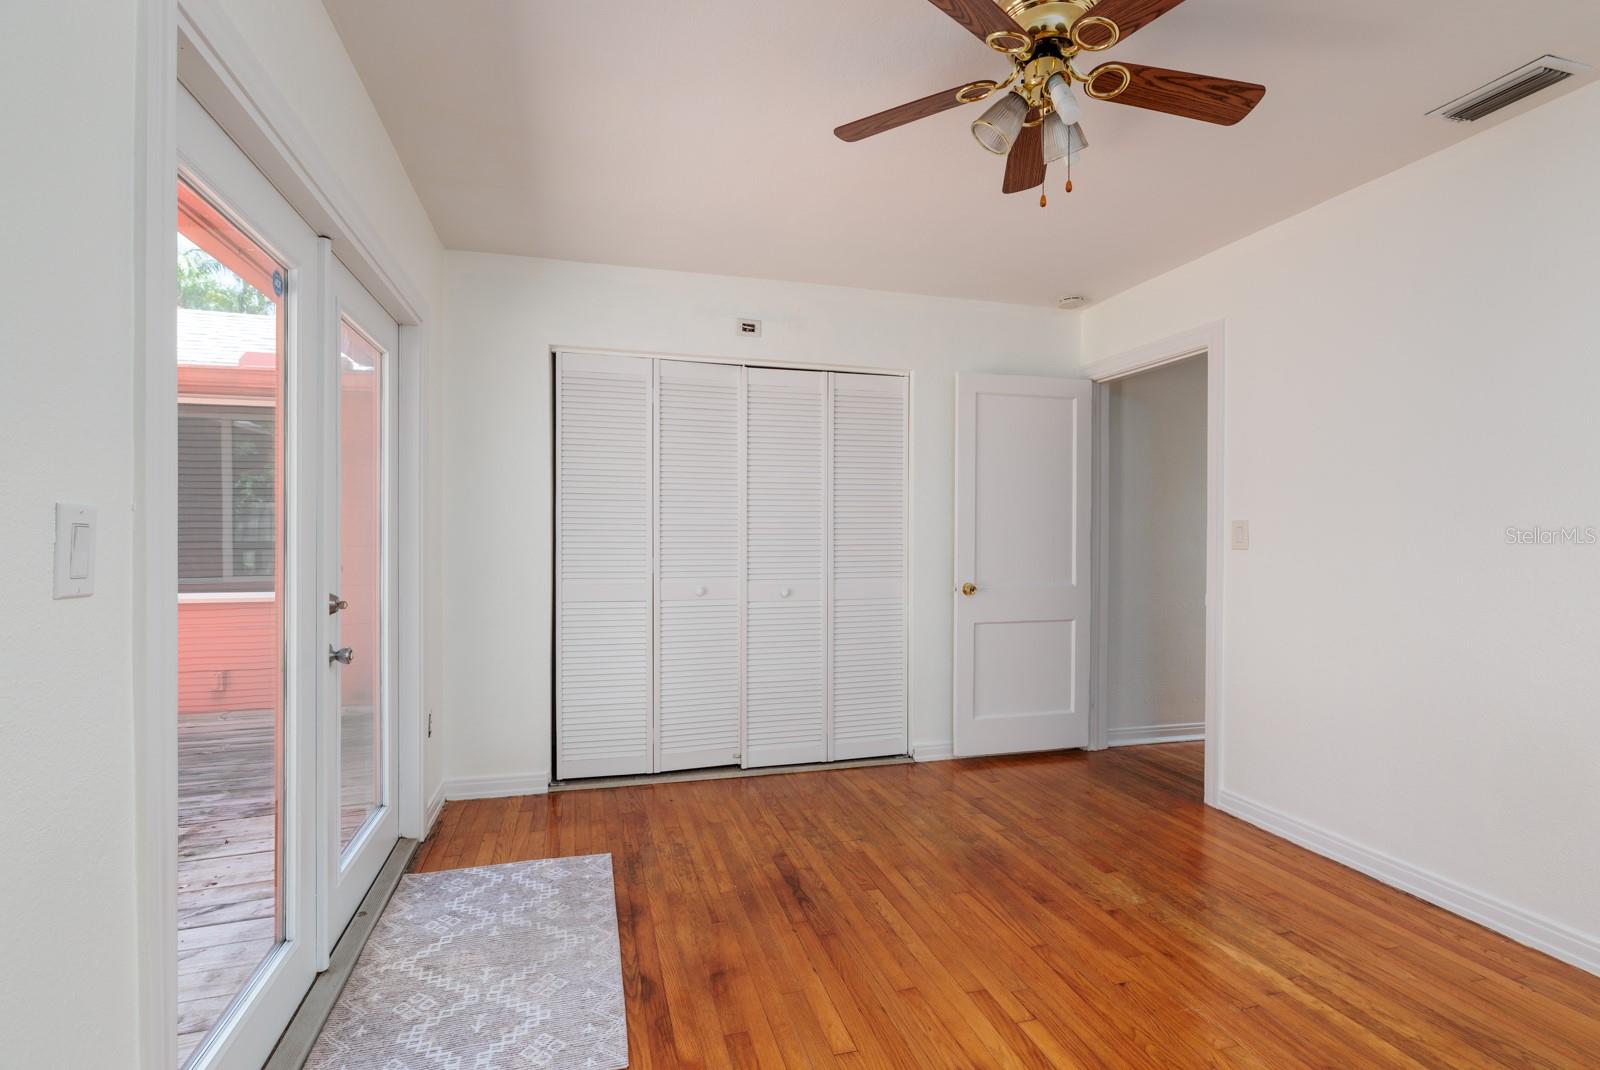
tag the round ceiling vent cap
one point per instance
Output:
(1074, 301)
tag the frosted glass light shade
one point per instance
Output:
(1061, 140)
(1063, 99)
(997, 128)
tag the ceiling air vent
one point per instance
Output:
(1503, 92)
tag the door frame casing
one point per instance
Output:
(1210, 341)
(195, 41)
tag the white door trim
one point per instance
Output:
(155, 558)
(223, 73)
(1210, 340)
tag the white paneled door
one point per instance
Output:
(868, 632)
(786, 553)
(604, 500)
(698, 443)
(1022, 564)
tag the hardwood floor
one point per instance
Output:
(1046, 911)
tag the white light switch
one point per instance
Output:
(1241, 534)
(75, 534)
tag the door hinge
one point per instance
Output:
(430, 724)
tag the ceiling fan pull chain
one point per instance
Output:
(1069, 172)
(1042, 200)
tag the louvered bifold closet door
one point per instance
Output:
(868, 635)
(697, 561)
(785, 560)
(603, 566)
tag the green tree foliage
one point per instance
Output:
(204, 283)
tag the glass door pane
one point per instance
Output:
(361, 556)
(230, 333)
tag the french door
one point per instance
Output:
(286, 757)
(249, 342)
(359, 766)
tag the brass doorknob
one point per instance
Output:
(969, 589)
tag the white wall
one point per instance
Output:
(1412, 368)
(68, 923)
(70, 974)
(1156, 554)
(506, 313)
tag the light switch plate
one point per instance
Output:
(1241, 534)
(76, 528)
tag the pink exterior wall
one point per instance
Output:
(360, 478)
(227, 655)
(228, 647)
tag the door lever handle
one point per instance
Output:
(344, 655)
(335, 604)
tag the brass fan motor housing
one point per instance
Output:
(1055, 16)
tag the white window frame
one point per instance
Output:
(225, 438)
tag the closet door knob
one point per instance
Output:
(785, 593)
(699, 592)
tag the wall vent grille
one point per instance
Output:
(1507, 90)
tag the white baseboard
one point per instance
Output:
(430, 816)
(497, 787)
(1155, 733)
(1569, 945)
(940, 751)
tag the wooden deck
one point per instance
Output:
(226, 862)
(227, 854)
(1050, 911)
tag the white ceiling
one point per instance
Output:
(697, 135)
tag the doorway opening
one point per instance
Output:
(1158, 547)
(1154, 555)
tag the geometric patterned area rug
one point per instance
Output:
(507, 967)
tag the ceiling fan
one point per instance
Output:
(1034, 122)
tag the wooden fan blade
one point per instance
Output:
(1193, 96)
(1025, 162)
(980, 17)
(905, 113)
(1131, 16)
